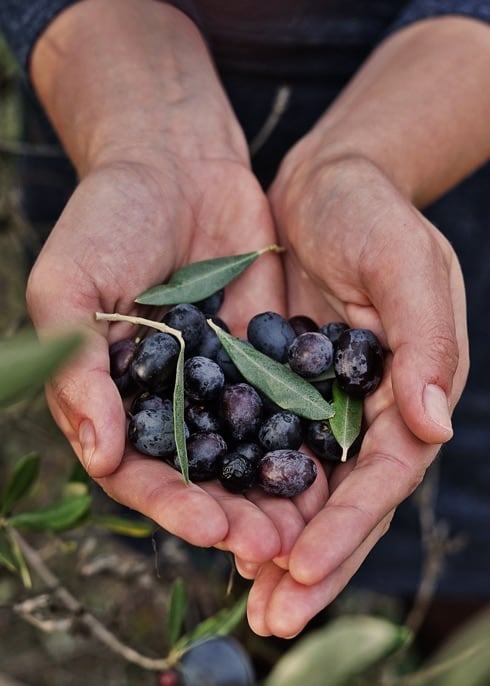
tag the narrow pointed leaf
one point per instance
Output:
(125, 526)
(57, 517)
(335, 654)
(178, 405)
(220, 624)
(176, 611)
(201, 279)
(19, 560)
(23, 477)
(346, 422)
(7, 557)
(26, 363)
(463, 658)
(275, 380)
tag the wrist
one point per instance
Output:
(416, 109)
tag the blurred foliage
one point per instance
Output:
(353, 649)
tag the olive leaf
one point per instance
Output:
(178, 396)
(18, 559)
(26, 363)
(220, 624)
(346, 422)
(7, 558)
(125, 526)
(198, 280)
(343, 649)
(179, 424)
(23, 478)
(281, 385)
(176, 611)
(56, 517)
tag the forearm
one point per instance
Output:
(419, 108)
(123, 77)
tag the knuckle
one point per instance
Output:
(443, 348)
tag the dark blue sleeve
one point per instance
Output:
(425, 9)
(23, 21)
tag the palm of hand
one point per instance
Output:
(124, 230)
(356, 251)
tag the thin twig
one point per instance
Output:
(281, 101)
(82, 616)
(436, 543)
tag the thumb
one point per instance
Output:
(424, 316)
(87, 407)
(82, 397)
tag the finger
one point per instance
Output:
(287, 519)
(248, 570)
(429, 341)
(266, 580)
(159, 492)
(291, 514)
(252, 535)
(391, 464)
(278, 605)
(87, 407)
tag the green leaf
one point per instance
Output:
(176, 611)
(26, 363)
(178, 406)
(281, 385)
(125, 526)
(220, 624)
(201, 279)
(343, 649)
(78, 474)
(346, 422)
(464, 658)
(57, 517)
(23, 478)
(7, 556)
(19, 560)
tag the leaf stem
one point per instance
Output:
(272, 248)
(139, 321)
(178, 390)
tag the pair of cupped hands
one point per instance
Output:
(357, 251)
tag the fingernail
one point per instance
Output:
(86, 436)
(437, 408)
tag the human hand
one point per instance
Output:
(165, 181)
(358, 251)
(125, 229)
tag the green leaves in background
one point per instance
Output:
(346, 422)
(277, 382)
(57, 517)
(199, 280)
(26, 363)
(464, 658)
(7, 557)
(124, 526)
(333, 655)
(176, 611)
(220, 624)
(23, 477)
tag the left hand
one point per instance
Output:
(358, 251)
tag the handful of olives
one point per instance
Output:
(233, 431)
